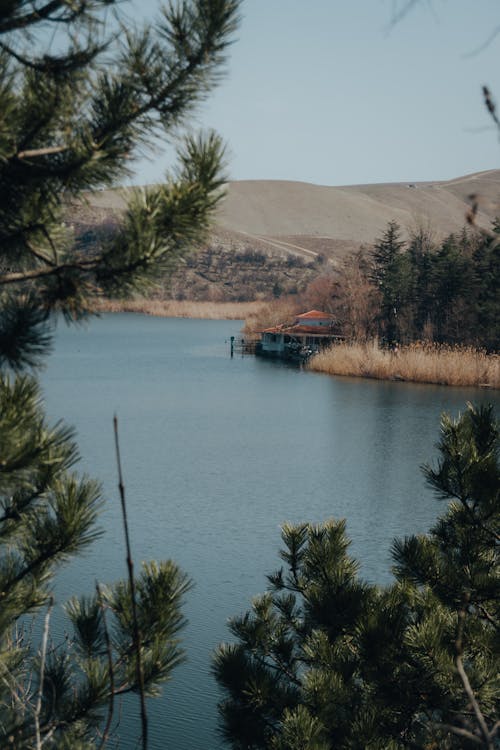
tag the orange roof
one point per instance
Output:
(314, 314)
(301, 330)
(274, 329)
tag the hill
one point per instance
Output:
(276, 233)
(346, 217)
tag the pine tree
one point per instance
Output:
(391, 276)
(451, 279)
(71, 120)
(421, 253)
(81, 93)
(486, 301)
(324, 660)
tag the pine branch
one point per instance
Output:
(49, 64)
(14, 22)
(38, 273)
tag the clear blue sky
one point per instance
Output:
(332, 92)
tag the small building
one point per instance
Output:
(310, 332)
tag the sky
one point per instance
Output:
(341, 92)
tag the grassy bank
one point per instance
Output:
(182, 309)
(418, 363)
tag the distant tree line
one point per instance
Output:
(403, 291)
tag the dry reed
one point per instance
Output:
(418, 363)
(181, 309)
(269, 314)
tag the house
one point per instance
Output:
(310, 332)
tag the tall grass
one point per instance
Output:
(418, 363)
(181, 309)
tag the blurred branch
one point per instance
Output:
(490, 105)
(471, 214)
(485, 44)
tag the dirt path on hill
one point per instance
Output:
(282, 245)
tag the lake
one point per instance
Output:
(217, 453)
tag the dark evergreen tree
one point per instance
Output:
(486, 258)
(326, 661)
(421, 251)
(448, 293)
(81, 93)
(391, 275)
(452, 284)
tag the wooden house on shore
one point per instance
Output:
(310, 332)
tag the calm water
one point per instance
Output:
(217, 454)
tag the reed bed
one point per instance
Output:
(181, 309)
(417, 363)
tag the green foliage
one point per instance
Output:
(446, 293)
(82, 93)
(324, 660)
(74, 122)
(391, 276)
(47, 515)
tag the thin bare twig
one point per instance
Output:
(485, 44)
(38, 707)
(111, 673)
(400, 13)
(484, 612)
(39, 255)
(47, 151)
(483, 727)
(460, 733)
(130, 566)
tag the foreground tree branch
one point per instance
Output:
(410, 665)
(72, 117)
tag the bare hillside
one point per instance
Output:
(273, 237)
(337, 219)
(297, 218)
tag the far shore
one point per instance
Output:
(181, 308)
(418, 363)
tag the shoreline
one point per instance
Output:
(430, 364)
(180, 308)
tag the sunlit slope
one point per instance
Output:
(355, 214)
(306, 219)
